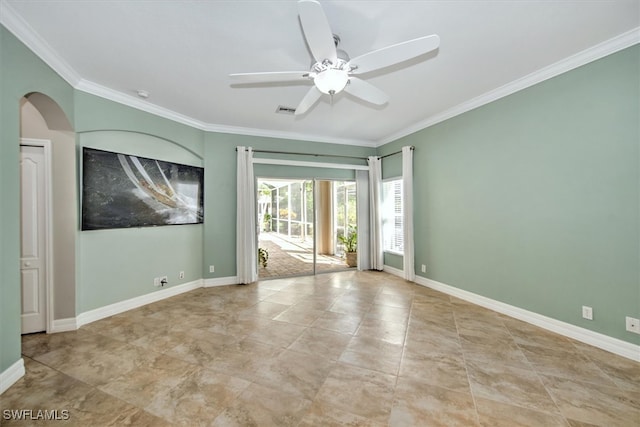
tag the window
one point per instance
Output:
(392, 229)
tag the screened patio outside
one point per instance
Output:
(286, 221)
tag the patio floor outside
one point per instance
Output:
(293, 257)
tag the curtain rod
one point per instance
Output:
(325, 155)
(396, 152)
(307, 154)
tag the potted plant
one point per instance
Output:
(350, 241)
(263, 257)
(267, 222)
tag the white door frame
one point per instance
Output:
(48, 227)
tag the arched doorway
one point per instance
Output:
(43, 123)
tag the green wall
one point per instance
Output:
(21, 73)
(94, 113)
(116, 265)
(533, 200)
(220, 182)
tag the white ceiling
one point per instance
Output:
(182, 52)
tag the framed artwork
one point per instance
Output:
(124, 191)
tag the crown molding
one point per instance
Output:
(13, 22)
(289, 135)
(140, 104)
(579, 59)
(23, 31)
(137, 103)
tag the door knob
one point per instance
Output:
(27, 264)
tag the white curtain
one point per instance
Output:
(246, 262)
(362, 193)
(407, 211)
(375, 219)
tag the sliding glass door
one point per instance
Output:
(286, 228)
(336, 220)
(305, 226)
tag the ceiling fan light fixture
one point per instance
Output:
(333, 71)
(331, 80)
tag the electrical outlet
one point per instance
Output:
(181, 275)
(156, 281)
(212, 269)
(587, 312)
(424, 268)
(633, 324)
(164, 280)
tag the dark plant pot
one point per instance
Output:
(352, 259)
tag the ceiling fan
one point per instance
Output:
(333, 71)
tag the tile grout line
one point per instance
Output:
(464, 359)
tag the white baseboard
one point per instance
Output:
(221, 281)
(63, 325)
(393, 270)
(12, 374)
(613, 345)
(122, 306)
(71, 324)
(605, 342)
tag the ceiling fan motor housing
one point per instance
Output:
(332, 72)
(329, 77)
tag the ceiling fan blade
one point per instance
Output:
(308, 101)
(366, 91)
(394, 54)
(317, 30)
(277, 76)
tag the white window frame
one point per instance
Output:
(392, 212)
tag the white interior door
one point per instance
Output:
(33, 236)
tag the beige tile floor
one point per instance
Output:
(351, 348)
